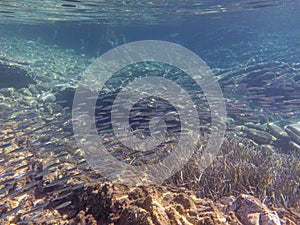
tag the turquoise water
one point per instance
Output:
(250, 48)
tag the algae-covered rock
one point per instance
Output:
(250, 211)
(259, 136)
(293, 131)
(278, 131)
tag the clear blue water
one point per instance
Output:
(221, 33)
(202, 26)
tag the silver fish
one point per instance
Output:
(5, 145)
(63, 205)
(12, 211)
(62, 196)
(30, 219)
(37, 208)
(3, 190)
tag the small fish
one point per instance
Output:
(92, 97)
(72, 169)
(37, 208)
(45, 172)
(22, 167)
(7, 173)
(82, 162)
(21, 192)
(21, 160)
(68, 5)
(44, 144)
(61, 180)
(3, 190)
(62, 196)
(8, 139)
(29, 173)
(7, 181)
(30, 219)
(11, 211)
(78, 186)
(5, 145)
(292, 101)
(62, 102)
(28, 186)
(63, 205)
(4, 158)
(58, 190)
(66, 134)
(18, 150)
(52, 166)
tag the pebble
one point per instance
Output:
(4, 107)
(2, 97)
(7, 92)
(33, 89)
(42, 87)
(48, 97)
(25, 91)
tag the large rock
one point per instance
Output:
(160, 205)
(259, 136)
(294, 132)
(250, 211)
(278, 131)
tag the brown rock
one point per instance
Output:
(250, 211)
(185, 201)
(269, 218)
(112, 204)
(134, 215)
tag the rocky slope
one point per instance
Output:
(107, 203)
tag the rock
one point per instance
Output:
(268, 148)
(269, 218)
(84, 219)
(293, 131)
(284, 215)
(133, 215)
(33, 89)
(50, 109)
(42, 87)
(2, 97)
(259, 136)
(25, 91)
(4, 107)
(257, 126)
(294, 145)
(48, 97)
(149, 205)
(7, 92)
(294, 128)
(278, 131)
(250, 211)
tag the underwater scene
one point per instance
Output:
(144, 112)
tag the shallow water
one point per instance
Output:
(249, 93)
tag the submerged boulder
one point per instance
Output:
(259, 136)
(278, 131)
(13, 76)
(250, 211)
(294, 132)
